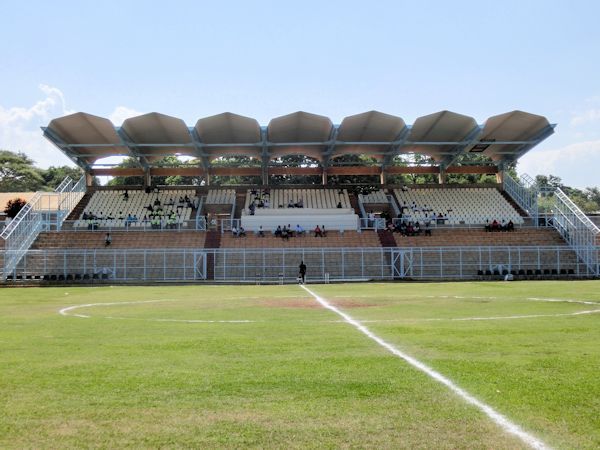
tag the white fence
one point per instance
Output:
(275, 265)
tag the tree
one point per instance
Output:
(127, 180)
(18, 174)
(295, 161)
(13, 207)
(53, 176)
(235, 161)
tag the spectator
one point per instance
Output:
(261, 233)
(323, 231)
(427, 229)
(242, 232)
(300, 203)
(266, 203)
(299, 230)
(510, 226)
(107, 240)
(234, 231)
(318, 232)
(252, 208)
(278, 231)
(291, 204)
(339, 205)
(285, 233)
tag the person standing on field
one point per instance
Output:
(302, 272)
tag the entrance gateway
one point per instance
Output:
(402, 260)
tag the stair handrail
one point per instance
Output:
(22, 231)
(580, 233)
(524, 193)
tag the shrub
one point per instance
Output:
(14, 206)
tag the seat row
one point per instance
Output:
(307, 198)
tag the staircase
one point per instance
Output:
(78, 210)
(213, 240)
(386, 238)
(240, 202)
(354, 203)
(514, 204)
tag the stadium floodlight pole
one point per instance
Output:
(63, 146)
(132, 147)
(470, 140)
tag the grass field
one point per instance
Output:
(268, 366)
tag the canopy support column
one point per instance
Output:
(382, 177)
(500, 174)
(442, 176)
(324, 176)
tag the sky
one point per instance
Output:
(263, 59)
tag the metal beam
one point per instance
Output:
(265, 155)
(198, 146)
(132, 147)
(528, 145)
(394, 149)
(62, 145)
(470, 140)
(333, 135)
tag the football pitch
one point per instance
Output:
(370, 365)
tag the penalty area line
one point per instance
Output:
(502, 421)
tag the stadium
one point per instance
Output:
(430, 315)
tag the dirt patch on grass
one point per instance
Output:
(351, 303)
(289, 303)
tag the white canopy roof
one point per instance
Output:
(443, 135)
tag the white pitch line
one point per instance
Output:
(499, 419)
(65, 312)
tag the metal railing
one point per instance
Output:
(200, 218)
(275, 264)
(43, 211)
(70, 193)
(395, 207)
(128, 226)
(525, 193)
(576, 228)
(378, 223)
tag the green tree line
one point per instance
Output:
(18, 173)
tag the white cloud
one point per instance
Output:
(577, 164)
(121, 113)
(20, 127)
(585, 117)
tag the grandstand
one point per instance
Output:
(384, 231)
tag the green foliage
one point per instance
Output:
(13, 207)
(53, 176)
(587, 199)
(18, 174)
(295, 161)
(127, 163)
(235, 161)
